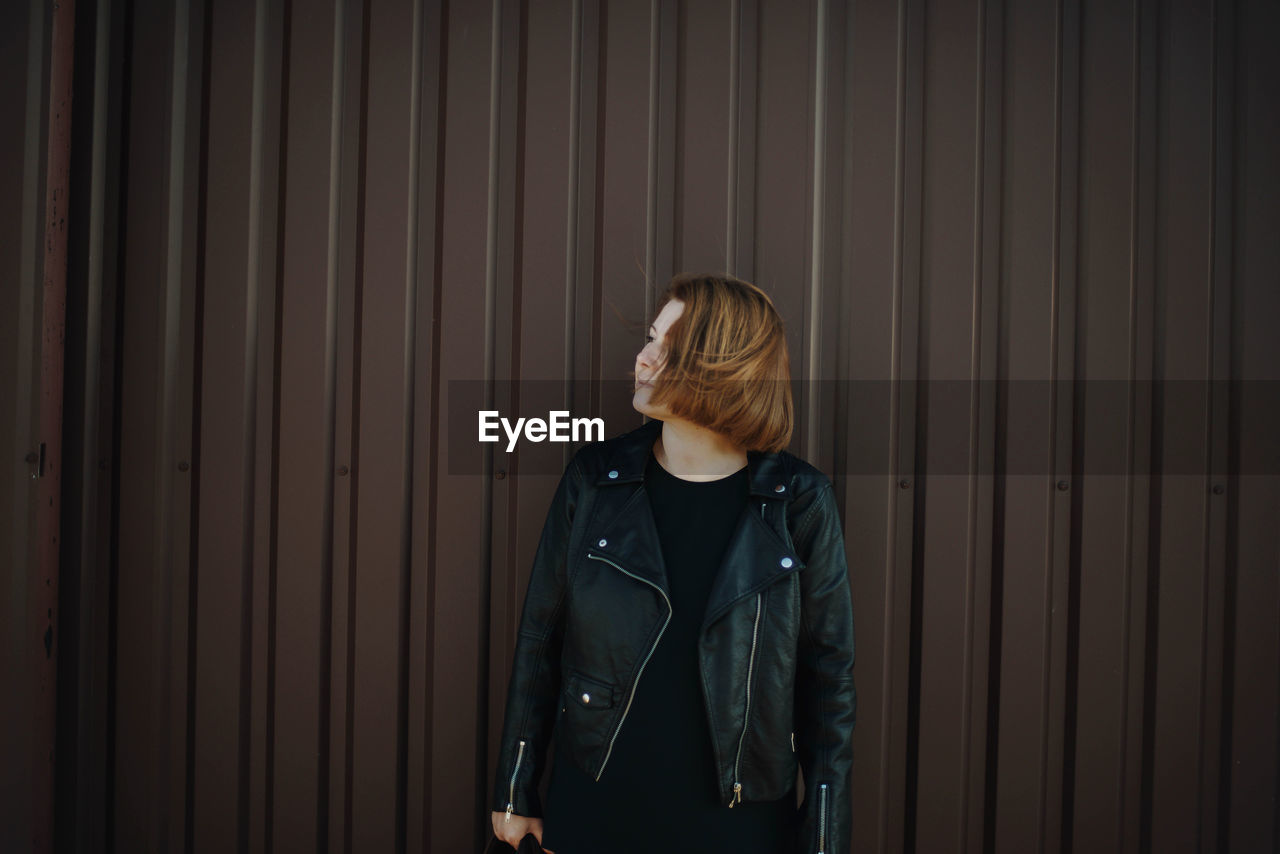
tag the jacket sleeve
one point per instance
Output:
(534, 687)
(826, 703)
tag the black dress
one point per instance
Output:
(658, 791)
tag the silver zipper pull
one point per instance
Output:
(737, 795)
(511, 797)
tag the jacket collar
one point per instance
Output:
(757, 555)
(766, 471)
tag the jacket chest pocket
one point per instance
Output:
(586, 692)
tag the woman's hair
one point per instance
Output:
(726, 366)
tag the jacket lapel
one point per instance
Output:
(630, 537)
(755, 558)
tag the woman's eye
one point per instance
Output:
(648, 338)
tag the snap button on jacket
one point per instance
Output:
(779, 615)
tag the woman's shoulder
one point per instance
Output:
(808, 484)
(629, 449)
(805, 477)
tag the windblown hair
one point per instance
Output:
(726, 366)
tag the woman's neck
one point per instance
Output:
(696, 453)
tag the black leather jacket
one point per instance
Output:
(776, 649)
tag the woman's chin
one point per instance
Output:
(640, 403)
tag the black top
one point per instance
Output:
(658, 791)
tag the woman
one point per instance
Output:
(687, 632)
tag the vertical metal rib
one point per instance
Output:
(735, 87)
(408, 352)
(887, 745)
(249, 406)
(575, 170)
(164, 562)
(1219, 580)
(1058, 748)
(812, 419)
(329, 427)
(974, 406)
(651, 185)
(88, 794)
(491, 210)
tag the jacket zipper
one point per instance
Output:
(822, 818)
(511, 797)
(746, 717)
(670, 611)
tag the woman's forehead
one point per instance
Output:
(668, 315)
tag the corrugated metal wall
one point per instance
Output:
(297, 222)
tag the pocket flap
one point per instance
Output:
(587, 692)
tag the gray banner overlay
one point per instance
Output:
(960, 427)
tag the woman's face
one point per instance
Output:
(649, 360)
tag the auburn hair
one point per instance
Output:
(725, 365)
